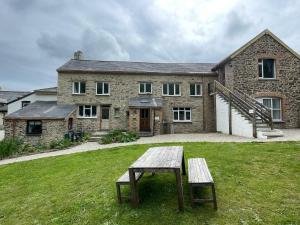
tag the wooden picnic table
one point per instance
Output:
(159, 160)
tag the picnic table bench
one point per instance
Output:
(199, 176)
(155, 160)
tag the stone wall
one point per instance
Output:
(242, 73)
(123, 87)
(51, 130)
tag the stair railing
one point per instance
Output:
(248, 106)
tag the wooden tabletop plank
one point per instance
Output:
(160, 157)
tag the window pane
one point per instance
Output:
(142, 88)
(181, 115)
(82, 87)
(165, 89)
(76, 87)
(260, 70)
(94, 110)
(177, 91)
(276, 115)
(106, 88)
(268, 65)
(175, 115)
(80, 110)
(198, 89)
(87, 112)
(192, 89)
(171, 89)
(188, 115)
(276, 103)
(267, 103)
(99, 89)
(148, 87)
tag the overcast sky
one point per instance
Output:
(38, 36)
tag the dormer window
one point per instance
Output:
(266, 68)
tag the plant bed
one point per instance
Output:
(118, 136)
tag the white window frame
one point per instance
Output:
(185, 109)
(262, 67)
(102, 82)
(84, 114)
(144, 84)
(79, 88)
(195, 85)
(168, 89)
(271, 108)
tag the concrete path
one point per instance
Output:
(289, 135)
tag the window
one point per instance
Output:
(34, 127)
(182, 114)
(171, 89)
(275, 105)
(102, 88)
(195, 89)
(25, 103)
(78, 87)
(116, 112)
(266, 68)
(145, 88)
(87, 111)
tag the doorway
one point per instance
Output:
(145, 120)
(105, 117)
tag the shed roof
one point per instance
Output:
(94, 66)
(8, 96)
(43, 110)
(141, 102)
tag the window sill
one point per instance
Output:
(195, 95)
(183, 121)
(79, 94)
(33, 135)
(102, 94)
(171, 95)
(87, 117)
(278, 121)
(268, 79)
(148, 93)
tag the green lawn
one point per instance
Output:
(256, 183)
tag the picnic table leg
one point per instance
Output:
(179, 189)
(183, 165)
(133, 189)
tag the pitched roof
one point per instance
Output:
(145, 102)
(238, 51)
(43, 110)
(47, 90)
(8, 96)
(93, 66)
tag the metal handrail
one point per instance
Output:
(245, 104)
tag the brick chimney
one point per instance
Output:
(78, 55)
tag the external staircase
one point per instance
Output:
(245, 117)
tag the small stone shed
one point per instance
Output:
(41, 122)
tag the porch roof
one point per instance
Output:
(145, 102)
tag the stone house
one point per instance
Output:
(41, 122)
(159, 98)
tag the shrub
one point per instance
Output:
(117, 136)
(10, 146)
(60, 144)
(86, 136)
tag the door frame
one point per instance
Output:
(109, 119)
(148, 129)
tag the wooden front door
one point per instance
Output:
(145, 120)
(105, 116)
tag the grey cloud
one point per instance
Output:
(237, 24)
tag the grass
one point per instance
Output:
(257, 183)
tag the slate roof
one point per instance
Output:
(8, 96)
(127, 67)
(43, 110)
(47, 90)
(141, 102)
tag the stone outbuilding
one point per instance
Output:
(41, 122)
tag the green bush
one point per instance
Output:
(10, 146)
(117, 136)
(86, 136)
(60, 144)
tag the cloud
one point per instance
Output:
(38, 36)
